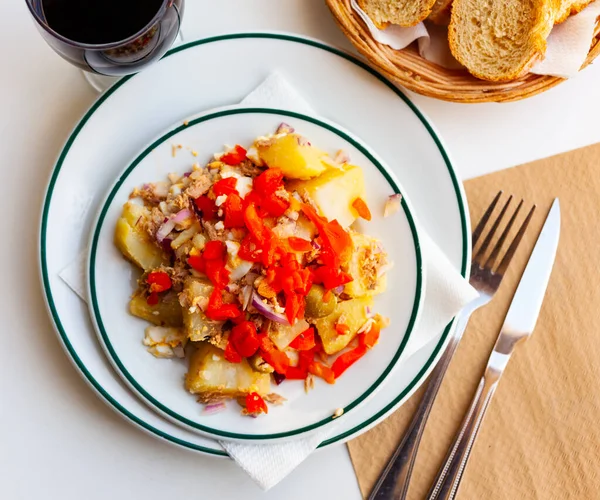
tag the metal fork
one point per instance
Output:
(394, 480)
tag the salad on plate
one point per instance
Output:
(254, 270)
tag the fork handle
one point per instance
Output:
(450, 475)
(395, 478)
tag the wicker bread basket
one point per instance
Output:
(408, 69)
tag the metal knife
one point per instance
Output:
(519, 324)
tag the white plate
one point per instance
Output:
(159, 382)
(179, 86)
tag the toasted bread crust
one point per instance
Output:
(570, 8)
(440, 12)
(540, 26)
(399, 12)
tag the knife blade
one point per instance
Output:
(524, 309)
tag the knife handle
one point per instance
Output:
(450, 475)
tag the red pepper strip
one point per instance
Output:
(255, 225)
(249, 249)
(152, 299)
(299, 244)
(332, 233)
(305, 341)
(331, 278)
(346, 360)
(296, 373)
(244, 339)
(339, 240)
(231, 355)
(277, 359)
(274, 205)
(225, 186)
(300, 372)
(361, 207)
(235, 156)
(342, 329)
(294, 307)
(322, 371)
(197, 262)
(234, 212)
(214, 250)
(268, 182)
(217, 310)
(370, 337)
(217, 273)
(255, 404)
(159, 281)
(207, 207)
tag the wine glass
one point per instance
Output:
(103, 63)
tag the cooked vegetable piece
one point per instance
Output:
(282, 335)
(368, 258)
(166, 313)
(197, 325)
(316, 305)
(213, 377)
(134, 242)
(293, 156)
(351, 313)
(334, 192)
(258, 363)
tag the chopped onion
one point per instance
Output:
(338, 289)
(247, 296)
(342, 157)
(303, 141)
(315, 245)
(165, 230)
(169, 224)
(267, 311)
(284, 128)
(178, 351)
(392, 205)
(366, 326)
(368, 312)
(278, 377)
(212, 408)
(241, 270)
(182, 215)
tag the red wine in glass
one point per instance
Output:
(109, 37)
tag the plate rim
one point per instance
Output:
(43, 266)
(109, 200)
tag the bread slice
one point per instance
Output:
(400, 12)
(499, 40)
(569, 8)
(440, 12)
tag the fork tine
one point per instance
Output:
(494, 255)
(483, 221)
(515, 243)
(488, 238)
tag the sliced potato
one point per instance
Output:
(368, 258)
(166, 313)
(197, 325)
(134, 243)
(334, 192)
(297, 161)
(351, 313)
(213, 377)
(282, 335)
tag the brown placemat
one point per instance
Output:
(541, 436)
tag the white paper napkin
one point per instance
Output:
(568, 43)
(446, 293)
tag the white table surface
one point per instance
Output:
(57, 439)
